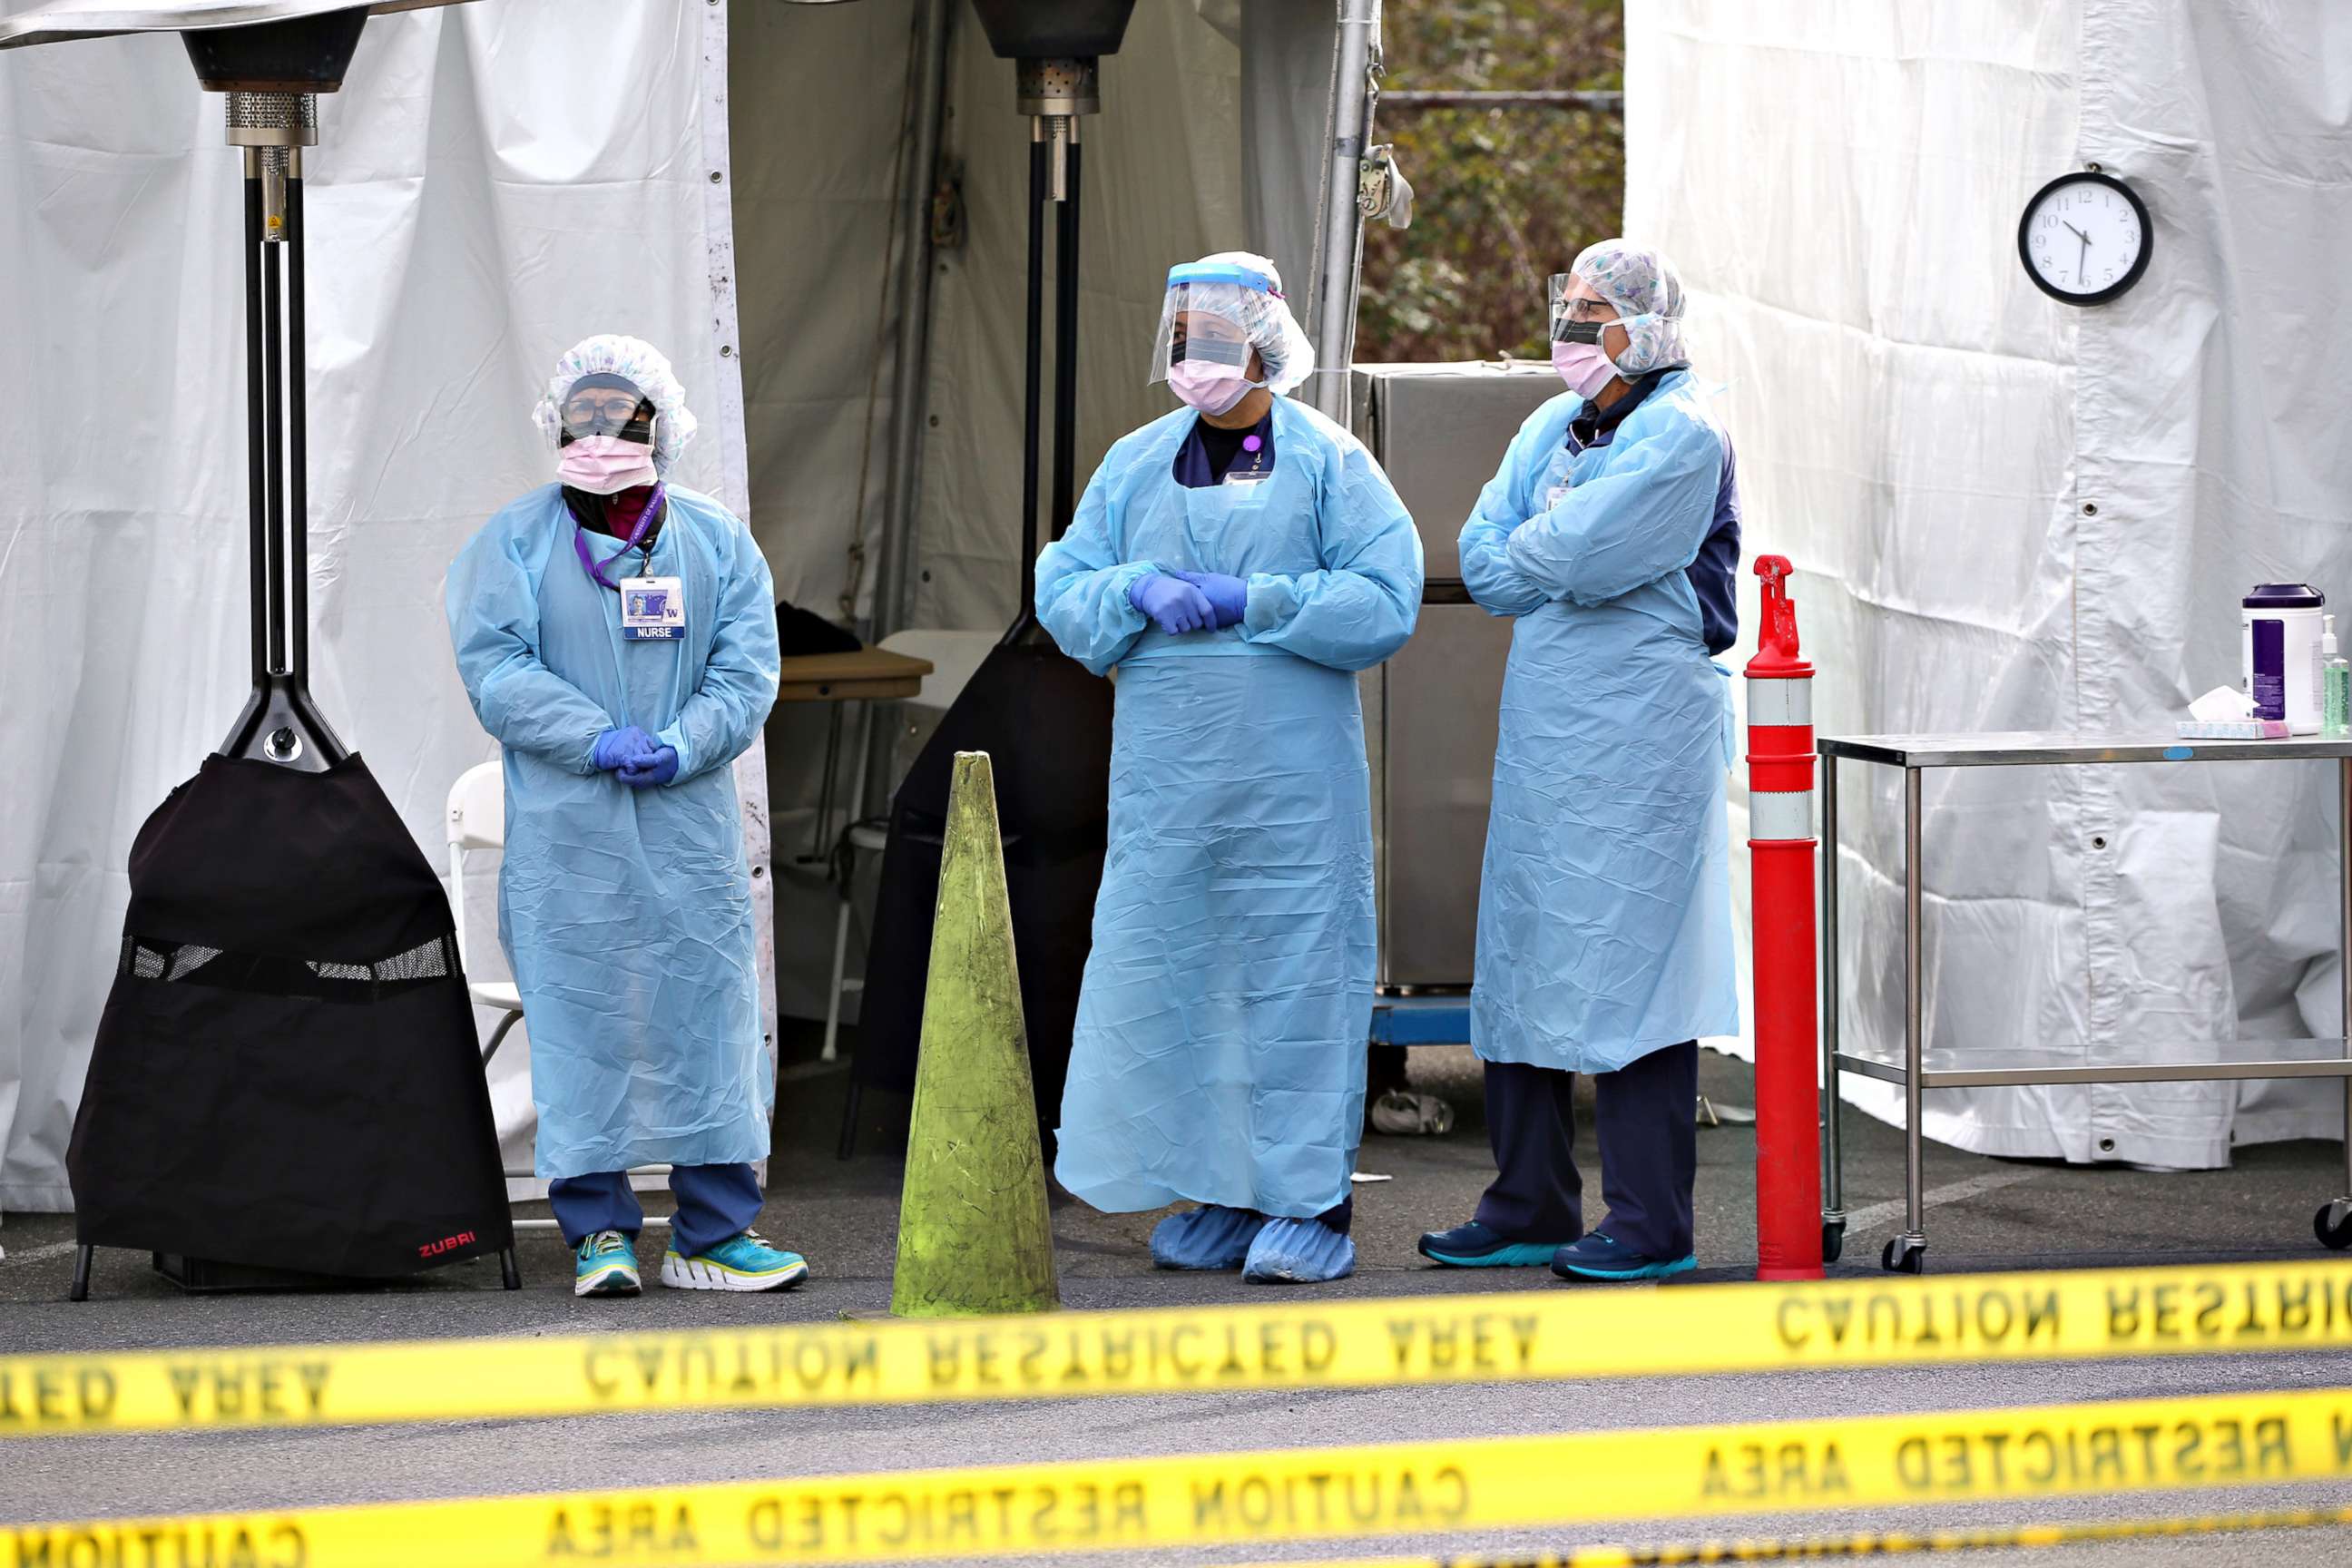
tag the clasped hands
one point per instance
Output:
(1179, 602)
(637, 759)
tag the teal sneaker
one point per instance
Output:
(1472, 1246)
(606, 1265)
(1599, 1256)
(742, 1262)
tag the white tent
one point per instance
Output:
(495, 182)
(2010, 514)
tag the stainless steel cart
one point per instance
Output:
(2090, 1062)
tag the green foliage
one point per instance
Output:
(1505, 198)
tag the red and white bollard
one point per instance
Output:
(1781, 844)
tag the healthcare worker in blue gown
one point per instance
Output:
(618, 637)
(1233, 564)
(1611, 534)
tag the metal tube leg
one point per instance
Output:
(1914, 1237)
(833, 999)
(257, 444)
(80, 1290)
(818, 835)
(1832, 1150)
(499, 1037)
(1065, 347)
(2344, 939)
(298, 437)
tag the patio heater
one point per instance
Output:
(286, 1085)
(1044, 719)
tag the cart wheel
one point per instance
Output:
(2333, 1225)
(1833, 1240)
(1905, 1254)
(509, 1271)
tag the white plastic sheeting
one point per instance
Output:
(2008, 513)
(494, 182)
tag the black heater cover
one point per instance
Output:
(285, 1075)
(1054, 29)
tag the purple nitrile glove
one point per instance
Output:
(1229, 596)
(1175, 604)
(647, 772)
(616, 748)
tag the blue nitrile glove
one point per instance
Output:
(649, 772)
(1174, 604)
(617, 747)
(1229, 596)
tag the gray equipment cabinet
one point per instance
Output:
(1440, 431)
(2139, 1061)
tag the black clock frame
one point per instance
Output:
(2113, 291)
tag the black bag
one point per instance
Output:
(287, 1074)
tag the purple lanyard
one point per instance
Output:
(654, 504)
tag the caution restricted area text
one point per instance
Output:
(1659, 1473)
(1531, 1335)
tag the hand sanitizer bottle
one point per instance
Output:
(2336, 688)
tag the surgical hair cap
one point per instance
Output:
(1647, 294)
(1263, 314)
(643, 365)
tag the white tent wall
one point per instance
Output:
(494, 182)
(2009, 514)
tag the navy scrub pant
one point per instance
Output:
(1647, 1122)
(714, 1203)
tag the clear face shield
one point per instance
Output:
(1212, 318)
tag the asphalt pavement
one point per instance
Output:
(1985, 1214)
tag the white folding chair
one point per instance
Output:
(477, 820)
(953, 657)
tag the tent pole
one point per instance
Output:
(910, 365)
(1340, 232)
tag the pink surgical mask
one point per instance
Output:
(1209, 388)
(605, 465)
(1584, 366)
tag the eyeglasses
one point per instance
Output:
(608, 411)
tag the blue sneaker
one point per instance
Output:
(1210, 1238)
(1472, 1246)
(1298, 1252)
(1599, 1257)
(742, 1262)
(606, 1265)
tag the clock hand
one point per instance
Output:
(2083, 259)
(2077, 232)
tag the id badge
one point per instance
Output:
(1247, 477)
(653, 609)
(1556, 494)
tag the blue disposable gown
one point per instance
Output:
(1604, 908)
(1219, 1051)
(626, 914)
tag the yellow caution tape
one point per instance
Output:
(1285, 1495)
(1535, 1334)
(1865, 1542)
